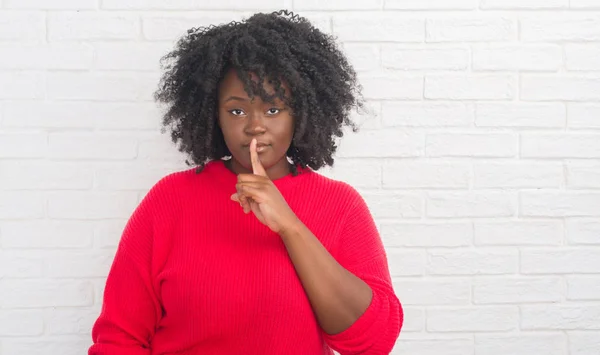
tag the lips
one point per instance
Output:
(258, 145)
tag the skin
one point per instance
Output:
(337, 296)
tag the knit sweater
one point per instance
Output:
(194, 275)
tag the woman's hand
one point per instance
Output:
(257, 193)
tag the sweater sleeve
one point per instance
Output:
(362, 253)
(130, 308)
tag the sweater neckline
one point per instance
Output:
(286, 181)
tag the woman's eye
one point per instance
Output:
(273, 111)
(236, 112)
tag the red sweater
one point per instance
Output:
(194, 275)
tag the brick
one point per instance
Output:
(77, 264)
(23, 145)
(50, 345)
(91, 146)
(19, 85)
(523, 4)
(426, 344)
(45, 293)
(473, 319)
(424, 58)
(520, 344)
(518, 175)
(582, 288)
(543, 115)
(434, 292)
(317, 5)
(567, 27)
(394, 205)
(471, 29)
(46, 234)
(538, 57)
(426, 234)
(92, 25)
(99, 288)
(426, 114)
(580, 115)
(563, 261)
(21, 175)
(425, 175)
(560, 317)
(100, 115)
(21, 323)
(431, 5)
(107, 234)
(21, 205)
(19, 265)
(91, 205)
(392, 86)
(588, 4)
(97, 86)
(406, 263)
(51, 5)
(470, 204)
(71, 321)
(470, 86)
(548, 233)
(584, 343)
(22, 26)
(583, 231)
(559, 145)
(414, 319)
(581, 56)
(582, 175)
(382, 143)
(378, 27)
(128, 56)
(363, 56)
(495, 145)
(360, 173)
(518, 290)
(559, 204)
(193, 5)
(472, 262)
(168, 27)
(156, 147)
(53, 56)
(560, 87)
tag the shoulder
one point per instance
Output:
(169, 187)
(338, 190)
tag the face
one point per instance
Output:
(242, 119)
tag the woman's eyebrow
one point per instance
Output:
(236, 98)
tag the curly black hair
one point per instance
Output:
(275, 46)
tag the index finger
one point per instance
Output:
(257, 167)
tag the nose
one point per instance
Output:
(255, 124)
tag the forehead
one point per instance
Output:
(231, 84)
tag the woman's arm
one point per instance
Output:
(130, 308)
(352, 297)
(337, 296)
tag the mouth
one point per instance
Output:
(260, 147)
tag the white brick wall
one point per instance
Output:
(481, 164)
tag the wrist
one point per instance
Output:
(291, 229)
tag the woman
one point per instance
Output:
(252, 251)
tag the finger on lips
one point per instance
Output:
(257, 167)
(249, 184)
